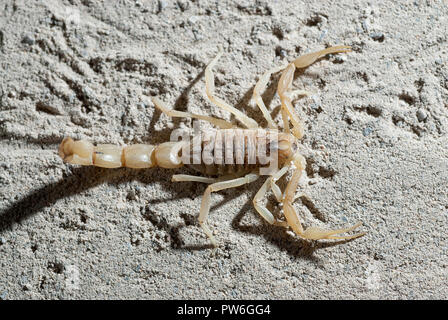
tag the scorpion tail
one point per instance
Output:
(84, 153)
(138, 156)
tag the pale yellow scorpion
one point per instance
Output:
(231, 156)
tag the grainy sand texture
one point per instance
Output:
(376, 147)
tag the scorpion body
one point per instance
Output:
(229, 156)
(218, 152)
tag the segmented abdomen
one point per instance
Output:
(229, 151)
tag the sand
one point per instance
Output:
(375, 143)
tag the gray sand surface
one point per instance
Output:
(376, 146)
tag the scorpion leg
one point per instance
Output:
(223, 124)
(308, 59)
(262, 210)
(189, 178)
(274, 187)
(285, 84)
(261, 86)
(210, 90)
(312, 233)
(205, 205)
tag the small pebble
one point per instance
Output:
(162, 5)
(367, 131)
(28, 39)
(131, 195)
(323, 34)
(366, 25)
(280, 52)
(182, 5)
(26, 287)
(87, 92)
(377, 36)
(3, 295)
(340, 59)
(193, 19)
(316, 102)
(421, 115)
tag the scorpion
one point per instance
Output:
(231, 156)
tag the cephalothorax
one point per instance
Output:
(229, 156)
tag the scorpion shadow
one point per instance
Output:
(81, 179)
